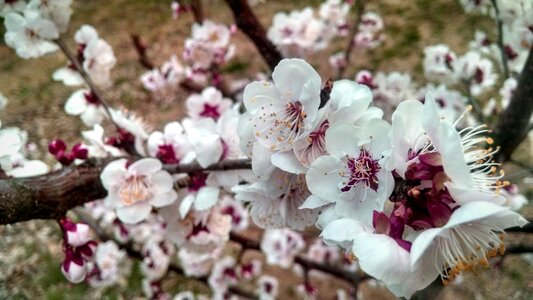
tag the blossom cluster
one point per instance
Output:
(413, 200)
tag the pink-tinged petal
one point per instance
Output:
(342, 232)
(323, 178)
(288, 162)
(134, 213)
(343, 139)
(313, 202)
(432, 159)
(206, 198)
(259, 93)
(290, 76)
(162, 182)
(164, 199)
(145, 166)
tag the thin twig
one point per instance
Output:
(140, 47)
(306, 263)
(74, 61)
(501, 46)
(360, 7)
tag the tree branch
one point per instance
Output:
(140, 47)
(248, 23)
(198, 11)
(360, 7)
(513, 124)
(51, 195)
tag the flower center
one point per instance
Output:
(282, 124)
(316, 144)
(135, 189)
(210, 111)
(197, 181)
(362, 169)
(166, 154)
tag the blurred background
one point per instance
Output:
(30, 253)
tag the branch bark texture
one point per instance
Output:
(513, 125)
(51, 195)
(248, 23)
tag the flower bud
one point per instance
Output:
(73, 267)
(56, 146)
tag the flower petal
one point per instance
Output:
(145, 166)
(134, 213)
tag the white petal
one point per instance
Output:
(76, 103)
(323, 178)
(206, 198)
(342, 232)
(288, 162)
(114, 173)
(343, 139)
(313, 202)
(262, 165)
(208, 150)
(463, 196)
(453, 160)
(358, 203)
(186, 204)
(259, 93)
(162, 182)
(164, 199)
(134, 213)
(290, 75)
(381, 257)
(145, 166)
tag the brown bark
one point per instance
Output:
(248, 23)
(51, 195)
(513, 125)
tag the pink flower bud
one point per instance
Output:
(87, 251)
(80, 151)
(57, 146)
(77, 235)
(73, 267)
